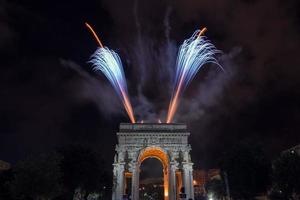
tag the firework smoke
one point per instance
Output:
(109, 63)
(193, 54)
(153, 60)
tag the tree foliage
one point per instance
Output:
(83, 170)
(286, 176)
(216, 187)
(74, 169)
(37, 177)
(5, 179)
(248, 170)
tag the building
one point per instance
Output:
(166, 142)
(4, 165)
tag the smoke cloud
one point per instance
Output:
(46, 101)
(154, 61)
(91, 88)
(209, 92)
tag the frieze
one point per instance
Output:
(152, 127)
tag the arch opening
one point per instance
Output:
(151, 179)
(161, 155)
(154, 152)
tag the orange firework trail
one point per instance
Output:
(174, 101)
(193, 54)
(109, 63)
(94, 34)
(202, 32)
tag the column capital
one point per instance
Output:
(132, 166)
(187, 165)
(119, 165)
(174, 165)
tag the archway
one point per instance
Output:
(151, 180)
(161, 155)
(166, 142)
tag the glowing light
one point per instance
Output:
(166, 193)
(193, 54)
(194, 182)
(109, 63)
(159, 121)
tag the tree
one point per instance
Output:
(248, 170)
(216, 187)
(5, 179)
(286, 176)
(83, 172)
(37, 177)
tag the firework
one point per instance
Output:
(193, 54)
(94, 34)
(109, 63)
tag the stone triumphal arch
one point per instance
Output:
(166, 142)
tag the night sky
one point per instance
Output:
(50, 97)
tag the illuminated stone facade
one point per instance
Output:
(166, 142)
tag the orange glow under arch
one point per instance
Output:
(162, 156)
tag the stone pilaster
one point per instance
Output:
(135, 181)
(188, 179)
(118, 181)
(172, 180)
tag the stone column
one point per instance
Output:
(135, 181)
(166, 183)
(118, 181)
(172, 181)
(188, 179)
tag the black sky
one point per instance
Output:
(50, 97)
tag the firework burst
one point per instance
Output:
(193, 54)
(109, 63)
